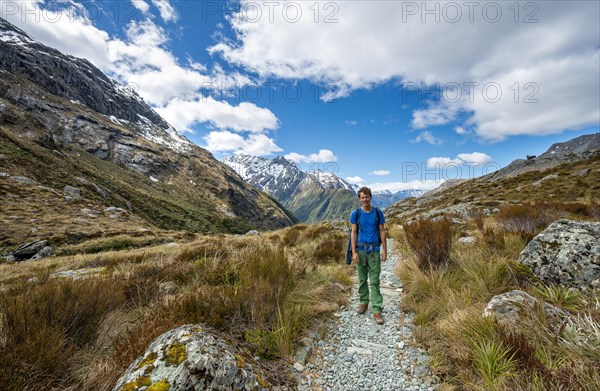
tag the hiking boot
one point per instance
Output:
(378, 318)
(362, 308)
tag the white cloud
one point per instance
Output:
(259, 145)
(65, 28)
(438, 114)
(324, 156)
(381, 172)
(355, 180)
(141, 5)
(220, 141)
(254, 144)
(143, 61)
(475, 158)
(183, 114)
(427, 136)
(397, 186)
(442, 162)
(460, 130)
(558, 52)
(351, 122)
(167, 12)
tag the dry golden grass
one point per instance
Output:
(82, 334)
(472, 352)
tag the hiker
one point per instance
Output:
(366, 252)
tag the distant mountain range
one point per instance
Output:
(64, 124)
(312, 196)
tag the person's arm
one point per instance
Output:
(383, 242)
(353, 243)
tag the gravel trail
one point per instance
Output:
(357, 354)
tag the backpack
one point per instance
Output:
(349, 250)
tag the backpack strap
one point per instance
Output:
(377, 228)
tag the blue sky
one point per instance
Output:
(392, 94)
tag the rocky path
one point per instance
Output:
(357, 354)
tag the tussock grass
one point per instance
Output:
(473, 352)
(82, 334)
(431, 241)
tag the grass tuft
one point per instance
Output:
(431, 241)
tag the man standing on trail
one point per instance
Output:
(368, 236)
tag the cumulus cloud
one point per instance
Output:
(142, 60)
(324, 156)
(354, 180)
(381, 172)
(167, 12)
(475, 158)
(553, 58)
(460, 130)
(428, 137)
(183, 114)
(440, 162)
(351, 122)
(141, 5)
(254, 144)
(438, 114)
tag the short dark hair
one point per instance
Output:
(365, 190)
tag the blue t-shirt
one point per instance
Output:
(367, 227)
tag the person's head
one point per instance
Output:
(364, 195)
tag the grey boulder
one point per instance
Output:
(189, 358)
(566, 253)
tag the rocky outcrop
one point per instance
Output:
(509, 307)
(189, 358)
(32, 250)
(577, 149)
(566, 253)
(66, 105)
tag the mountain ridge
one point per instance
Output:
(312, 195)
(58, 111)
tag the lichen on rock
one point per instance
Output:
(189, 358)
(566, 253)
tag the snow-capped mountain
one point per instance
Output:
(87, 87)
(295, 188)
(385, 198)
(278, 175)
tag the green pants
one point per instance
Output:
(369, 268)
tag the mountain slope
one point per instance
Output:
(64, 123)
(572, 176)
(574, 150)
(312, 196)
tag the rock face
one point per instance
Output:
(508, 307)
(66, 105)
(188, 358)
(312, 196)
(32, 250)
(566, 253)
